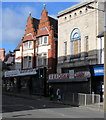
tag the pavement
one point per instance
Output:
(95, 107)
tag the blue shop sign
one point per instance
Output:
(98, 70)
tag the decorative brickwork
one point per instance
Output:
(38, 29)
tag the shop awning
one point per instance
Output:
(67, 80)
(16, 73)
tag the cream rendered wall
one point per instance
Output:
(86, 22)
(18, 54)
(101, 50)
(18, 61)
(28, 52)
(100, 17)
(43, 49)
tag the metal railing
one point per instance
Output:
(86, 99)
(78, 99)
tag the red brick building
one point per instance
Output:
(38, 50)
(2, 54)
(40, 42)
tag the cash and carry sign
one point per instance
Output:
(85, 74)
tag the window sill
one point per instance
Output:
(43, 45)
(28, 49)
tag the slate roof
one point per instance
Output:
(35, 23)
(54, 23)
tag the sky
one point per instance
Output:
(14, 18)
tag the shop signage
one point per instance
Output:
(70, 75)
(59, 76)
(82, 74)
(98, 71)
(14, 73)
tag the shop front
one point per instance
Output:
(97, 75)
(24, 81)
(70, 83)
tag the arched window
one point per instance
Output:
(75, 41)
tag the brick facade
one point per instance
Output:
(36, 28)
(2, 54)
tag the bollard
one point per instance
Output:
(85, 99)
(92, 97)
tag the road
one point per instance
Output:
(15, 107)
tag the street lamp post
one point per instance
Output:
(91, 7)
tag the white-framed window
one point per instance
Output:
(25, 45)
(75, 41)
(42, 59)
(27, 62)
(45, 59)
(28, 45)
(43, 40)
(40, 41)
(39, 59)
